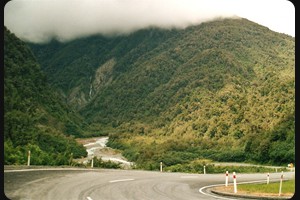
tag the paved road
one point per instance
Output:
(103, 184)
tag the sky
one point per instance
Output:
(42, 20)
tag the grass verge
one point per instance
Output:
(261, 189)
(288, 187)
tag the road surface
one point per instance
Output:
(104, 184)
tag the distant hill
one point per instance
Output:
(35, 117)
(223, 90)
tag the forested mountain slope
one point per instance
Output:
(35, 117)
(223, 90)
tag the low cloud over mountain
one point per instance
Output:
(40, 21)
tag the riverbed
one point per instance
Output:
(96, 147)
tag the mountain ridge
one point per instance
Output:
(35, 118)
(225, 81)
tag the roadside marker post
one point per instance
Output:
(280, 185)
(234, 183)
(161, 167)
(92, 164)
(204, 171)
(268, 178)
(28, 159)
(226, 179)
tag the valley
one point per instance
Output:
(149, 100)
(220, 91)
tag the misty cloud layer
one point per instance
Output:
(39, 21)
(42, 20)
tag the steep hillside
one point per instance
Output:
(219, 90)
(35, 118)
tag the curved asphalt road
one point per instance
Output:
(104, 184)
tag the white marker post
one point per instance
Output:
(28, 159)
(234, 183)
(92, 164)
(280, 186)
(226, 179)
(268, 178)
(204, 171)
(161, 167)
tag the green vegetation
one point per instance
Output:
(197, 166)
(35, 117)
(98, 162)
(222, 90)
(288, 187)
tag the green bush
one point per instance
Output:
(98, 162)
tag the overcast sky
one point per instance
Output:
(41, 20)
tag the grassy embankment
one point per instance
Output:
(288, 187)
(262, 189)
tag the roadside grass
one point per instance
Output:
(288, 187)
(197, 166)
(242, 169)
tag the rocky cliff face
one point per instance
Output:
(79, 96)
(103, 77)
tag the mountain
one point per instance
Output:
(223, 90)
(35, 116)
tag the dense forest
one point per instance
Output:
(223, 90)
(35, 117)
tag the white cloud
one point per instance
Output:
(40, 20)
